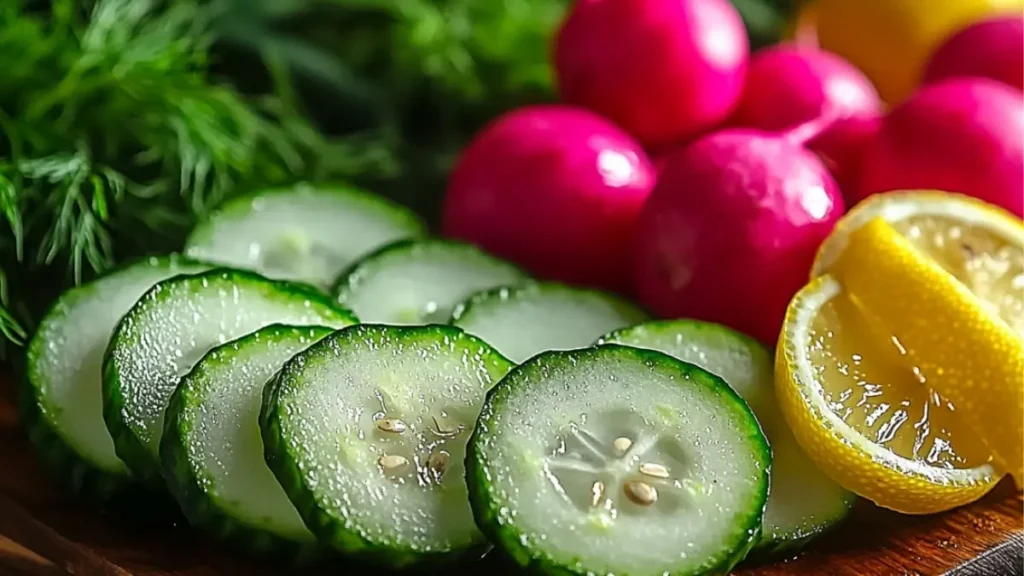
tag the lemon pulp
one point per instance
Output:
(979, 244)
(986, 263)
(962, 346)
(869, 383)
(858, 408)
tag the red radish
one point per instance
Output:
(554, 188)
(961, 135)
(842, 149)
(730, 232)
(665, 70)
(988, 49)
(788, 85)
(659, 162)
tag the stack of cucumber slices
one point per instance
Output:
(315, 378)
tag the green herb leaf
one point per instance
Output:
(115, 137)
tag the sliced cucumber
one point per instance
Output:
(61, 401)
(803, 502)
(212, 452)
(305, 232)
(420, 282)
(618, 460)
(522, 320)
(366, 431)
(171, 327)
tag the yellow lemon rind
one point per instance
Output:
(848, 457)
(899, 205)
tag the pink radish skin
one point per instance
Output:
(962, 135)
(730, 232)
(842, 147)
(665, 70)
(554, 188)
(659, 162)
(989, 49)
(788, 85)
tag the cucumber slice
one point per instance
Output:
(171, 327)
(523, 320)
(61, 403)
(618, 460)
(212, 452)
(420, 282)
(366, 431)
(305, 232)
(803, 502)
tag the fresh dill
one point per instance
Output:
(114, 137)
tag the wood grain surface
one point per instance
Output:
(42, 532)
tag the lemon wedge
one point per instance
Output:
(981, 245)
(859, 410)
(957, 343)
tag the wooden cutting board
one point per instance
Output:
(43, 533)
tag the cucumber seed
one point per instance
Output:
(391, 425)
(597, 492)
(438, 463)
(653, 470)
(622, 445)
(640, 493)
(391, 462)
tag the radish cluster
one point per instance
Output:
(701, 178)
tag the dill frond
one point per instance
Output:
(10, 328)
(114, 138)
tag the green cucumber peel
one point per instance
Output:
(563, 440)
(60, 401)
(212, 452)
(307, 232)
(381, 479)
(804, 502)
(171, 327)
(414, 282)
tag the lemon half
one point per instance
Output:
(898, 365)
(861, 413)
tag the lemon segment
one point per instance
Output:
(957, 343)
(978, 243)
(859, 410)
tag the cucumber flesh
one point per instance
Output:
(366, 431)
(420, 282)
(618, 460)
(523, 320)
(171, 327)
(211, 448)
(804, 502)
(306, 233)
(62, 402)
